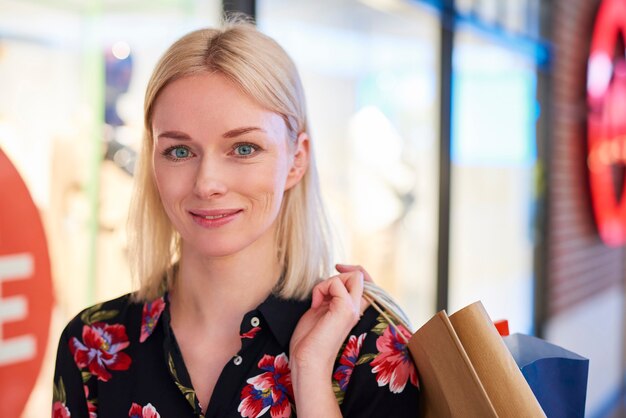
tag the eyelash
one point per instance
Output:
(255, 148)
(167, 153)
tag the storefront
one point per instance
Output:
(372, 71)
(432, 122)
(72, 79)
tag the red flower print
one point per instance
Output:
(393, 365)
(138, 411)
(93, 409)
(59, 410)
(101, 349)
(270, 391)
(91, 405)
(150, 317)
(251, 333)
(348, 361)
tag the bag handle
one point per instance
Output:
(391, 315)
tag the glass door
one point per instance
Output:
(493, 180)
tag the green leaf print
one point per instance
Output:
(85, 375)
(58, 392)
(380, 326)
(365, 358)
(339, 394)
(189, 393)
(95, 314)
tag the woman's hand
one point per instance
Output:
(347, 268)
(335, 310)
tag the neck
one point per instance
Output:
(216, 292)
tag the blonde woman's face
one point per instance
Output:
(222, 164)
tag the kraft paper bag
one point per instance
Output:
(466, 370)
(557, 377)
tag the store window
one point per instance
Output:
(516, 17)
(72, 79)
(493, 179)
(370, 72)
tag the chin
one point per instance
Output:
(228, 243)
(216, 250)
(220, 248)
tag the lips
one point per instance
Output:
(215, 217)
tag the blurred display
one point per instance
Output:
(513, 16)
(72, 77)
(493, 180)
(370, 74)
(25, 293)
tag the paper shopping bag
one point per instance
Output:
(466, 370)
(557, 377)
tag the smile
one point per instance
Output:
(214, 218)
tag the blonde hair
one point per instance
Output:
(264, 71)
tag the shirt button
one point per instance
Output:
(255, 321)
(237, 360)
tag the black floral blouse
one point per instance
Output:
(120, 359)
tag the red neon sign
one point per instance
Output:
(606, 120)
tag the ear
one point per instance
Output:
(300, 162)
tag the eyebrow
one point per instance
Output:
(233, 133)
(174, 135)
(241, 131)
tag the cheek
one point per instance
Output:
(268, 188)
(160, 180)
(171, 186)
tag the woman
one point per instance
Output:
(229, 241)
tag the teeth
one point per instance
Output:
(214, 217)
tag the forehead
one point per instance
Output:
(211, 102)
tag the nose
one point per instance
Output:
(209, 182)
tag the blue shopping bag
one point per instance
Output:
(557, 377)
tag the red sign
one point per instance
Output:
(25, 291)
(606, 121)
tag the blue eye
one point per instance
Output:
(177, 153)
(181, 152)
(245, 150)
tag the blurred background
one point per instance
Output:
(469, 150)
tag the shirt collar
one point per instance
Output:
(151, 316)
(281, 315)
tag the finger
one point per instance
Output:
(347, 268)
(362, 303)
(317, 295)
(344, 300)
(321, 291)
(351, 292)
(338, 287)
(334, 288)
(353, 283)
